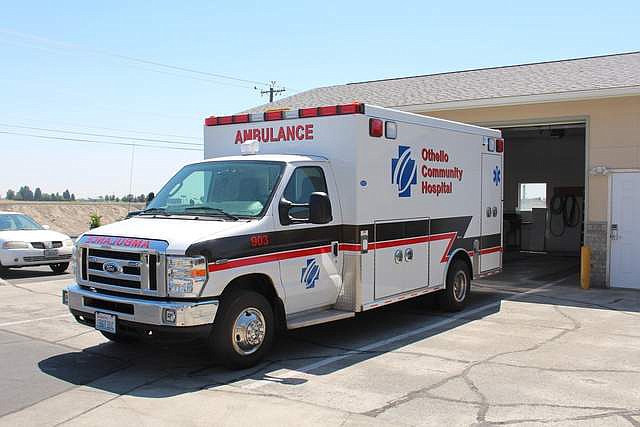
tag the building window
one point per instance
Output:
(532, 195)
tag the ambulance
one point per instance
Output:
(297, 218)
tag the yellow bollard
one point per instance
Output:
(585, 266)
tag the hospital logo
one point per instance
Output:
(310, 273)
(404, 171)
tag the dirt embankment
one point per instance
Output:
(71, 218)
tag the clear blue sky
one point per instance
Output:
(60, 69)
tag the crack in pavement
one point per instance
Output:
(482, 404)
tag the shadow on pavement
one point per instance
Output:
(161, 370)
(26, 272)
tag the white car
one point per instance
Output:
(24, 242)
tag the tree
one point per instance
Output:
(37, 195)
(25, 193)
(150, 197)
(66, 195)
(73, 197)
(11, 195)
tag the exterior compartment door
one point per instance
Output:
(491, 224)
(401, 256)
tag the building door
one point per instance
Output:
(625, 230)
(491, 227)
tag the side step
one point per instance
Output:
(317, 317)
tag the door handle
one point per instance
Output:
(334, 248)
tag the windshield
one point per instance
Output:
(12, 222)
(229, 189)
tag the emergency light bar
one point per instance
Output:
(330, 110)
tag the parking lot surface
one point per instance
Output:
(531, 349)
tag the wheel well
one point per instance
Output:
(263, 285)
(464, 256)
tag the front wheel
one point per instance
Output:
(59, 268)
(454, 296)
(243, 330)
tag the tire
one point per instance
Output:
(243, 330)
(454, 296)
(59, 268)
(119, 338)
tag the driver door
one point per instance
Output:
(310, 263)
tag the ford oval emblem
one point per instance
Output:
(111, 267)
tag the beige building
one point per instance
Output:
(572, 156)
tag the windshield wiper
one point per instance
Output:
(154, 211)
(207, 208)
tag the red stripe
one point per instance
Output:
(491, 250)
(349, 247)
(279, 256)
(259, 259)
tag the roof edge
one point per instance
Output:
(493, 68)
(522, 99)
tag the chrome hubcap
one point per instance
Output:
(460, 284)
(248, 331)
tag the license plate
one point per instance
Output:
(50, 252)
(106, 322)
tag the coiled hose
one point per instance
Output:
(568, 207)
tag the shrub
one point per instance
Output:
(95, 221)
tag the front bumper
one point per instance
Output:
(140, 311)
(26, 257)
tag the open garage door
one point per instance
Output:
(544, 188)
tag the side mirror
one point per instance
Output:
(319, 208)
(283, 210)
(46, 227)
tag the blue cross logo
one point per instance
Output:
(496, 176)
(404, 171)
(310, 273)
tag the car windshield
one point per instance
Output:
(226, 189)
(12, 222)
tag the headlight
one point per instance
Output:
(68, 243)
(186, 275)
(15, 245)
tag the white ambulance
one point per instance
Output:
(297, 218)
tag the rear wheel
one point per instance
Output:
(243, 330)
(454, 296)
(59, 268)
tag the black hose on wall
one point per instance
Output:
(569, 208)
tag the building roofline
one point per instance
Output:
(491, 68)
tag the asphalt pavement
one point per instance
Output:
(530, 349)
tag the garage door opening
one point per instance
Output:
(544, 189)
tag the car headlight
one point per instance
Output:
(15, 245)
(186, 275)
(68, 243)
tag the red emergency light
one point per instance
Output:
(329, 110)
(376, 127)
(499, 145)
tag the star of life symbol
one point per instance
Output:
(496, 176)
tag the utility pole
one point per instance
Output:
(272, 91)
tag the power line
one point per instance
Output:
(101, 135)
(70, 46)
(125, 144)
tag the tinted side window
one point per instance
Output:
(304, 181)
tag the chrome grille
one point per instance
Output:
(124, 270)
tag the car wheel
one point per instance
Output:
(59, 268)
(243, 330)
(454, 296)
(120, 338)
